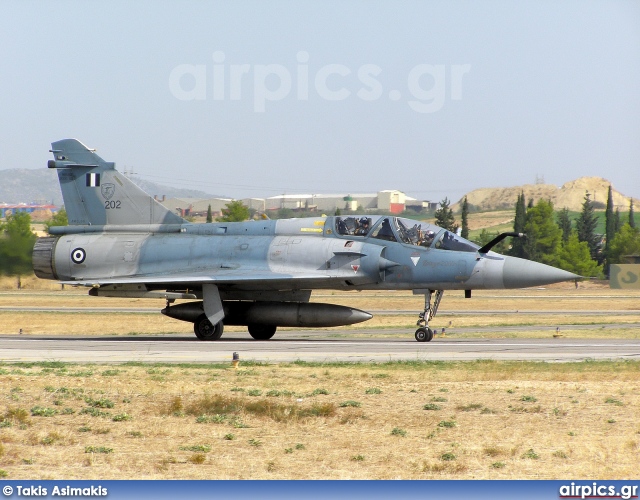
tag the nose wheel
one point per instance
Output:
(424, 333)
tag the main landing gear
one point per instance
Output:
(261, 332)
(204, 330)
(424, 333)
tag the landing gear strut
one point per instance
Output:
(424, 333)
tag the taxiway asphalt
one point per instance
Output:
(306, 346)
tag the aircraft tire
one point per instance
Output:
(261, 332)
(421, 334)
(204, 330)
(424, 334)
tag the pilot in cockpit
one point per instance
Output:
(363, 227)
(426, 238)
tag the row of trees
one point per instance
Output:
(554, 239)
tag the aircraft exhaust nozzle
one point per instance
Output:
(521, 273)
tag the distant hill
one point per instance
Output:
(21, 185)
(570, 195)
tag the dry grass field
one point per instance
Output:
(498, 420)
(409, 420)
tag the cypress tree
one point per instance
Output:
(517, 248)
(564, 223)
(586, 226)
(543, 234)
(610, 227)
(632, 219)
(444, 216)
(610, 230)
(617, 225)
(465, 216)
(209, 214)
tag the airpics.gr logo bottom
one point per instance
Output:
(595, 490)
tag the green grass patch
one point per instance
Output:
(98, 449)
(469, 407)
(530, 454)
(350, 403)
(99, 403)
(40, 411)
(121, 417)
(204, 448)
(212, 407)
(613, 401)
(94, 412)
(447, 423)
(432, 407)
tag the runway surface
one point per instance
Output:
(308, 346)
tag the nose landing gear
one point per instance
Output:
(424, 333)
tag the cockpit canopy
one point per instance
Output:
(407, 231)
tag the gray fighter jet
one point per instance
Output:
(120, 242)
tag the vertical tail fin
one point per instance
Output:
(95, 193)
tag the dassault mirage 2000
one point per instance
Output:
(120, 242)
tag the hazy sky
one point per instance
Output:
(254, 98)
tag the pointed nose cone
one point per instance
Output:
(521, 273)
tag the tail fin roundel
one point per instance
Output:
(95, 193)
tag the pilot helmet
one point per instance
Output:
(364, 221)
